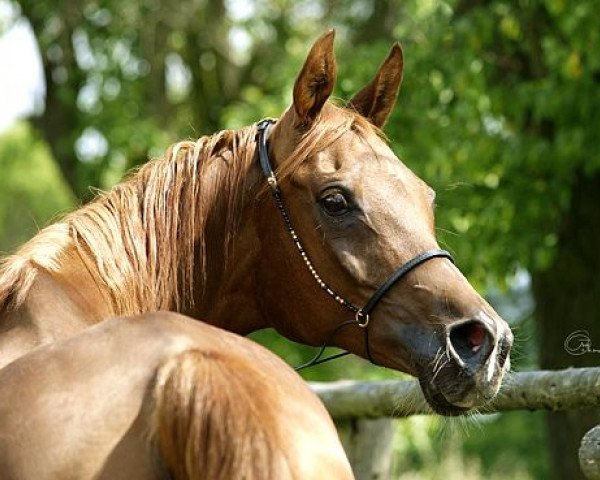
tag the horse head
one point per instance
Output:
(359, 214)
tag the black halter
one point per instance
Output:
(361, 315)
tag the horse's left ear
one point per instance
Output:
(316, 79)
(376, 100)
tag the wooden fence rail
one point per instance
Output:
(361, 408)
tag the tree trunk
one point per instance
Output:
(566, 296)
(59, 124)
(368, 444)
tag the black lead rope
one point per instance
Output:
(317, 360)
(361, 315)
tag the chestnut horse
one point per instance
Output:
(162, 396)
(198, 232)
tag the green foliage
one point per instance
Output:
(31, 189)
(502, 447)
(497, 114)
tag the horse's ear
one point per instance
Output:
(316, 79)
(376, 100)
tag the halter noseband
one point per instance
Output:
(361, 315)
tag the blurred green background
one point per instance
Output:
(499, 112)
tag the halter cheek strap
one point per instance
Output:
(362, 316)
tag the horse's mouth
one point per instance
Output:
(439, 404)
(452, 392)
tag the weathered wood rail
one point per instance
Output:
(363, 411)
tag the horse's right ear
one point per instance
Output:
(316, 79)
(376, 100)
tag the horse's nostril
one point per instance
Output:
(471, 342)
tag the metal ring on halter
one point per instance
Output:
(365, 316)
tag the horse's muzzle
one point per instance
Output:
(468, 370)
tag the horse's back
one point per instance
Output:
(88, 407)
(75, 408)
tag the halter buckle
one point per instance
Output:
(365, 316)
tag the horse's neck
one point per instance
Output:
(228, 297)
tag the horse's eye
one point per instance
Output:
(335, 203)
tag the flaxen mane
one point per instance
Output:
(138, 240)
(142, 240)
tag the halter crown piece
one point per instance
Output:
(362, 316)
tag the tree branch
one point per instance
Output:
(538, 390)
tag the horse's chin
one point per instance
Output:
(439, 404)
(451, 400)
